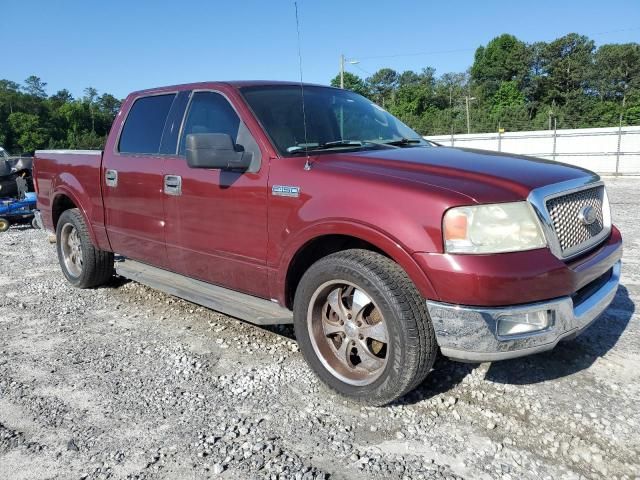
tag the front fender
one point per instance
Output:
(385, 243)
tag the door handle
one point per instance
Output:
(111, 178)
(173, 185)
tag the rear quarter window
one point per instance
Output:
(142, 131)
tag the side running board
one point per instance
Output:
(240, 305)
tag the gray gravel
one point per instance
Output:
(126, 382)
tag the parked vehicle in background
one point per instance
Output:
(280, 202)
(18, 211)
(11, 170)
(17, 199)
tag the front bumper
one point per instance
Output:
(470, 333)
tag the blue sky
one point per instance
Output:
(118, 46)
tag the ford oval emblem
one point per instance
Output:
(587, 215)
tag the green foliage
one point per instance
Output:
(28, 132)
(506, 99)
(617, 69)
(29, 119)
(516, 86)
(566, 65)
(35, 87)
(504, 59)
(351, 82)
(383, 85)
(632, 115)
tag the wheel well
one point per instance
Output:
(313, 251)
(60, 204)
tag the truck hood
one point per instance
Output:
(482, 176)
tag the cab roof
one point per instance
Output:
(231, 83)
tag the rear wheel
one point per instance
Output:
(34, 224)
(4, 224)
(83, 265)
(363, 327)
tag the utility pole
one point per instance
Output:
(624, 99)
(342, 62)
(451, 111)
(467, 99)
(555, 137)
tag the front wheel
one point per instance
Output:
(363, 327)
(83, 265)
(4, 224)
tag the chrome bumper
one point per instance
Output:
(470, 333)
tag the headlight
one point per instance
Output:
(501, 227)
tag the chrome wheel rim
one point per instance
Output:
(71, 250)
(348, 332)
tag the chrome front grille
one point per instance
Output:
(575, 215)
(568, 222)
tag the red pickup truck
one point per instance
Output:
(288, 203)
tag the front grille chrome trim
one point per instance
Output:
(539, 197)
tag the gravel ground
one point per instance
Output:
(126, 382)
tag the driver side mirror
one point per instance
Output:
(215, 150)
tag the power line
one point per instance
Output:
(616, 31)
(416, 54)
(362, 70)
(459, 50)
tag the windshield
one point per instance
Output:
(335, 119)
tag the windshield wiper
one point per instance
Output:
(403, 141)
(337, 143)
(325, 146)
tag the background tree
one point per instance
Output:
(504, 59)
(617, 72)
(9, 95)
(35, 87)
(383, 85)
(29, 134)
(60, 98)
(90, 95)
(352, 82)
(29, 119)
(109, 105)
(566, 66)
(518, 86)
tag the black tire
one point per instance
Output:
(411, 348)
(4, 224)
(97, 265)
(34, 224)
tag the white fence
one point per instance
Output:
(604, 150)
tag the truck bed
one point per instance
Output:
(74, 174)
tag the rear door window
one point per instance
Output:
(142, 131)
